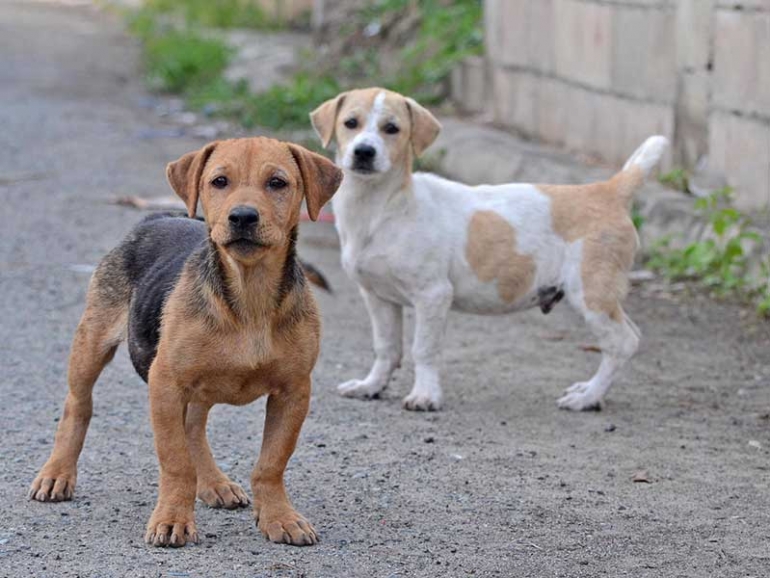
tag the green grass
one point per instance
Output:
(212, 13)
(446, 33)
(179, 61)
(718, 262)
(185, 62)
(676, 179)
(280, 107)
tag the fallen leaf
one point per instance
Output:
(557, 336)
(151, 204)
(591, 348)
(641, 477)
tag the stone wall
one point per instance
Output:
(599, 76)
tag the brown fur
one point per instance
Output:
(214, 350)
(491, 253)
(599, 215)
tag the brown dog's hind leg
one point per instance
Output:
(276, 517)
(98, 335)
(214, 488)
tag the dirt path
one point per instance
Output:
(501, 483)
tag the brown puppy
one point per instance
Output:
(214, 313)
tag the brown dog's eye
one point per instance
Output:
(351, 123)
(219, 182)
(391, 128)
(276, 183)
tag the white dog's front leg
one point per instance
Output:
(388, 337)
(431, 309)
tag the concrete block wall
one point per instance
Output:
(739, 122)
(599, 76)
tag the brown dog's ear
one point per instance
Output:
(324, 118)
(320, 178)
(425, 127)
(184, 176)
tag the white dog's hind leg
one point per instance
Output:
(595, 284)
(387, 329)
(618, 339)
(431, 309)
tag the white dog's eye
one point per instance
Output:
(351, 123)
(391, 128)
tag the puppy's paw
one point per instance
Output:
(360, 388)
(172, 527)
(580, 397)
(53, 486)
(222, 494)
(419, 401)
(286, 527)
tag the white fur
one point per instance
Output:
(648, 155)
(370, 136)
(407, 247)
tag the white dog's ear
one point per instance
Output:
(425, 127)
(324, 118)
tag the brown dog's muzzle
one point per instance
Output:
(243, 219)
(243, 223)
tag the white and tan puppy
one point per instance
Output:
(423, 241)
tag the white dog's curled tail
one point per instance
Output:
(639, 166)
(648, 155)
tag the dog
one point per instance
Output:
(214, 312)
(423, 241)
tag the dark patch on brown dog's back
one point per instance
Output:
(154, 255)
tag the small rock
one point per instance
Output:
(610, 428)
(429, 440)
(641, 275)
(641, 477)
(755, 444)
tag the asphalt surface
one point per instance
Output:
(500, 483)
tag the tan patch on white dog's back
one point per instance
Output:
(491, 253)
(598, 215)
(577, 210)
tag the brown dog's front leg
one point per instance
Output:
(173, 521)
(214, 487)
(276, 517)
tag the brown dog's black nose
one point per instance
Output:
(242, 217)
(364, 152)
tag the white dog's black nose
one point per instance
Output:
(242, 217)
(364, 153)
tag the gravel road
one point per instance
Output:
(500, 483)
